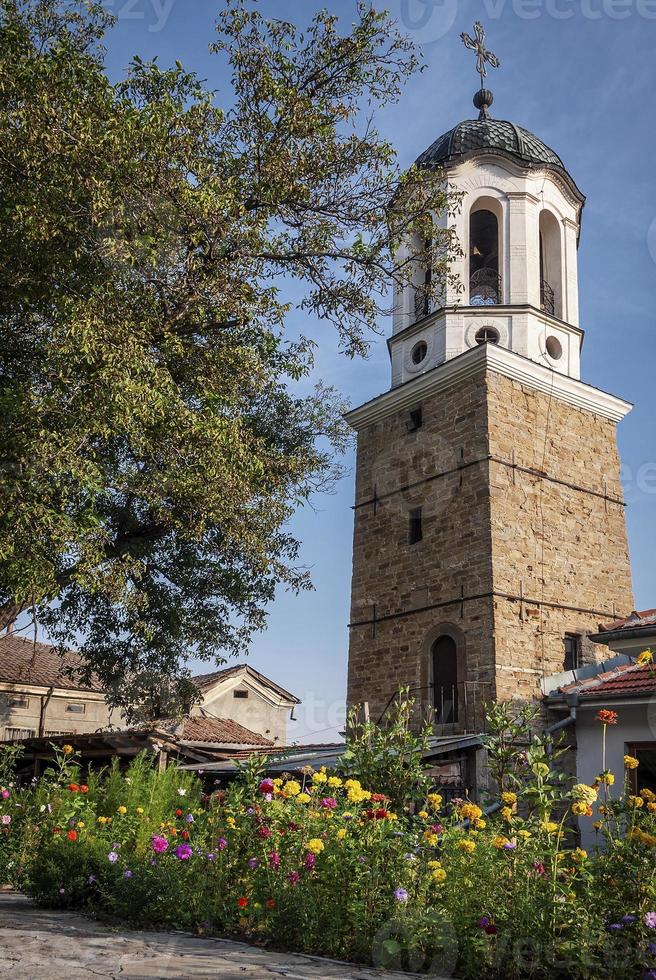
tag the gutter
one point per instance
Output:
(633, 634)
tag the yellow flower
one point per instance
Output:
(341, 833)
(334, 781)
(651, 807)
(647, 794)
(431, 838)
(434, 864)
(466, 845)
(140, 809)
(646, 657)
(597, 825)
(231, 822)
(506, 814)
(122, 809)
(604, 810)
(277, 782)
(439, 875)
(500, 842)
(581, 809)
(320, 777)
(509, 798)
(102, 820)
(391, 815)
(303, 798)
(635, 802)
(480, 824)
(67, 749)
(358, 795)
(579, 855)
(524, 833)
(469, 811)
(80, 824)
(423, 814)
(549, 826)
(291, 788)
(352, 784)
(315, 845)
(584, 793)
(607, 778)
(630, 762)
(435, 800)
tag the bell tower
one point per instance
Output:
(490, 535)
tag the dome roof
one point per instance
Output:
(475, 136)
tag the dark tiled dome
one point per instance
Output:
(475, 136)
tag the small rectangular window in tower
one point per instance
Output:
(416, 419)
(416, 529)
(572, 651)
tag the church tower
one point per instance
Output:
(490, 535)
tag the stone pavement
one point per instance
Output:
(37, 944)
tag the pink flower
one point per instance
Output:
(650, 920)
(310, 861)
(5, 794)
(329, 803)
(274, 859)
(264, 832)
(159, 844)
(6, 819)
(266, 786)
(183, 852)
(293, 877)
(222, 843)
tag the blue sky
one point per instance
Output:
(580, 74)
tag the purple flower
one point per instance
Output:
(222, 843)
(483, 922)
(401, 895)
(274, 859)
(293, 877)
(62, 891)
(159, 844)
(128, 874)
(253, 863)
(510, 846)
(649, 975)
(628, 920)
(310, 861)
(650, 920)
(91, 880)
(211, 857)
(651, 948)
(112, 857)
(183, 852)
(329, 803)
(615, 927)
(189, 818)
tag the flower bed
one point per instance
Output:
(325, 864)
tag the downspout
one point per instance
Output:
(45, 701)
(572, 700)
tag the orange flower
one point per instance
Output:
(72, 835)
(607, 717)
(84, 788)
(74, 788)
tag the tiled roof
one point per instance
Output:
(206, 681)
(24, 662)
(629, 680)
(223, 731)
(635, 621)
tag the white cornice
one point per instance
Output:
(489, 357)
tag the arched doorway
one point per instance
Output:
(444, 666)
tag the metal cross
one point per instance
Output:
(484, 57)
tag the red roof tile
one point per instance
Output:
(24, 662)
(628, 680)
(218, 730)
(635, 621)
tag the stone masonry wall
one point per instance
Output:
(524, 541)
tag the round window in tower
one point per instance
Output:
(419, 352)
(554, 348)
(487, 335)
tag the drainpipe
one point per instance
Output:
(45, 700)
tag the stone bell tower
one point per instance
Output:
(490, 535)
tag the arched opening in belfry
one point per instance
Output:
(484, 278)
(445, 680)
(551, 290)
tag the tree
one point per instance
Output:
(154, 438)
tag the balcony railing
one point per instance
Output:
(547, 298)
(485, 288)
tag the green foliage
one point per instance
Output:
(325, 865)
(158, 428)
(388, 756)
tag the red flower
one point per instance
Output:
(74, 788)
(271, 903)
(607, 717)
(185, 835)
(242, 903)
(381, 814)
(378, 798)
(84, 788)
(266, 787)
(72, 835)
(264, 832)
(56, 830)
(178, 813)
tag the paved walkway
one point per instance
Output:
(36, 944)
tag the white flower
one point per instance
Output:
(42, 808)
(181, 791)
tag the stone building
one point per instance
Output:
(490, 535)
